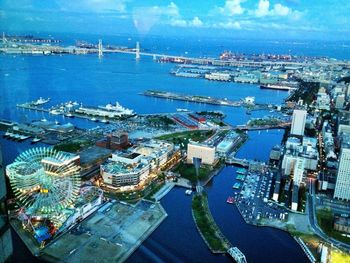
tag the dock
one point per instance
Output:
(202, 99)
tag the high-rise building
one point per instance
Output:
(342, 185)
(6, 248)
(298, 122)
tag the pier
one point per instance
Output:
(203, 99)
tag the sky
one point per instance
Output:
(266, 19)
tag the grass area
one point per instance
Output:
(182, 138)
(325, 221)
(306, 91)
(207, 227)
(73, 146)
(264, 122)
(339, 257)
(189, 172)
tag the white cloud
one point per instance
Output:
(280, 10)
(196, 22)
(231, 7)
(263, 8)
(277, 10)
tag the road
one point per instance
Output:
(313, 219)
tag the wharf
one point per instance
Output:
(201, 99)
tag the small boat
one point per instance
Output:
(182, 110)
(241, 171)
(230, 200)
(35, 140)
(93, 119)
(69, 115)
(188, 192)
(236, 186)
(104, 121)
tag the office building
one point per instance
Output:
(298, 122)
(342, 185)
(202, 151)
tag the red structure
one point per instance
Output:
(197, 117)
(114, 141)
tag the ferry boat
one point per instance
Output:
(230, 200)
(41, 101)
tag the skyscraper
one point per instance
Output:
(5, 232)
(342, 185)
(298, 122)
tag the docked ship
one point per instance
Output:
(117, 108)
(41, 101)
(277, 87)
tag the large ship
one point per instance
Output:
(277, 87)
(117, 108)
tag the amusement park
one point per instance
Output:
(48, 196)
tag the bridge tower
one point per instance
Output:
(100, 48)
(137, 51)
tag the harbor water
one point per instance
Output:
(119, 77)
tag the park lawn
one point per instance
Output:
(188, 171)
(179, 137)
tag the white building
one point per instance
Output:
(202, 151)
(298, 122)
(342, 186)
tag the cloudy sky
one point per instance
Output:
(273, 19)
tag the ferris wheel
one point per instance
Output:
(44, 181)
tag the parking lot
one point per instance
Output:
(253, 199)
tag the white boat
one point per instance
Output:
(69, 115)
(35, 140)
(104, 121)
(54, 112)
(93, 119)
(41, 101)
(117, 108)
(188, 192)
(182, 110)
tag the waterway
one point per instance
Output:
(119, 77)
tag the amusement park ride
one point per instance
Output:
(48, 194)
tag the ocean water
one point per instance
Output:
(119, 77)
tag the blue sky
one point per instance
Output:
(280, 19)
